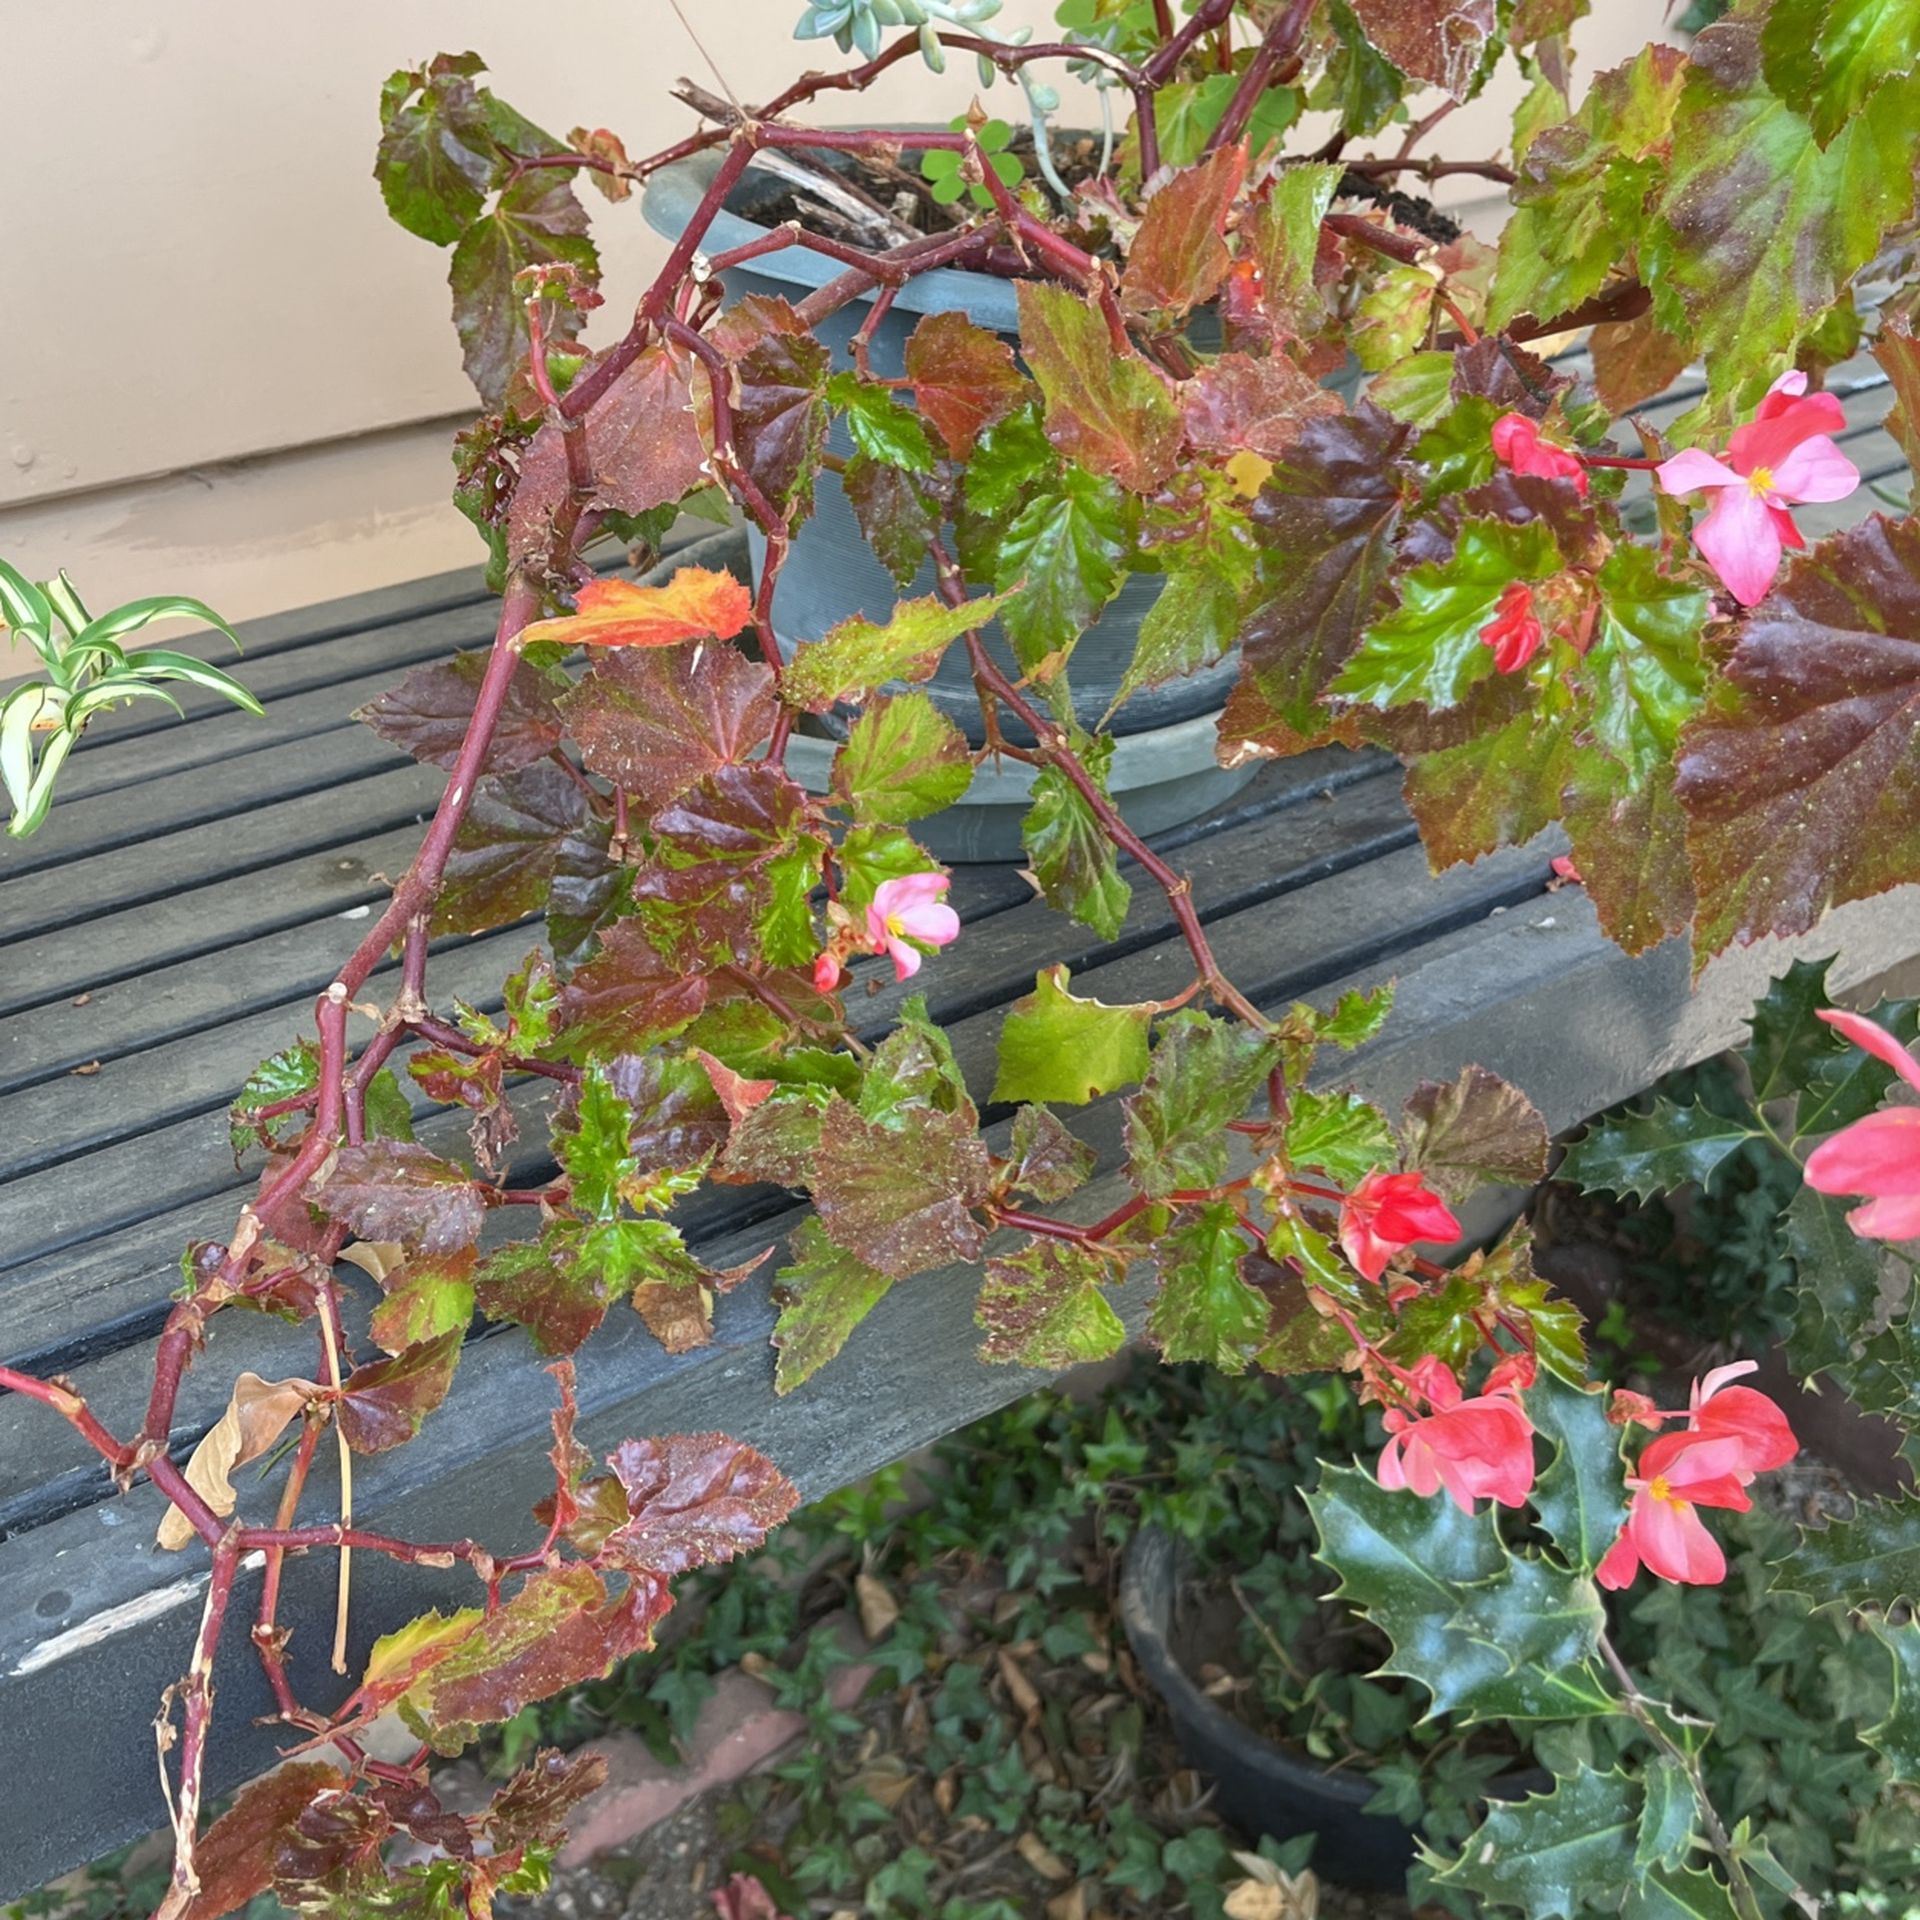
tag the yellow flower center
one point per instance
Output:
(1658, 1488)
(1760, 480)
(894, 927)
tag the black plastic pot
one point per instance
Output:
(1259, 1786)
(1166, 733)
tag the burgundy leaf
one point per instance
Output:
(1474, 1132)
(543, 1286)
(415, 1808)
(780, 372)
(395, 1190)
(1262, 406)
(964, 378)
(235, 1856)
(678, 1119)
(900, 1196)
(532, 1808)
(428, 713)
(383, 1404)
(519, 830)
(656, 721)
(694, 1500)
(627, 998)
(1439, 41)
(427, 1295)
(1179, 256)
(332, 1853)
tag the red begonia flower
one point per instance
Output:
(1514, 633)
(1720, 1411)
(1480, 1448)
(1783, 457)
(1880, 1155)
(1678, 1473)
(1517, 444)
(1388, 1211)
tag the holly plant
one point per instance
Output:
(1551, 611)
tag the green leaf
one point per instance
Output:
(1514, 1289)
(1550, 1854)
(823, 1293)
(1194, 622)
(1828, 58)
(1071, 854)
(1205, 1072)
(1479, 1131)
(594, 1150)
(1280, 234)
(537, 221)
(1870, 1560)
(1011, 456)
(1801, 778)
(1058, 563)
(1581, 1495)
(1204, 1310)
(436, 157)
(1678, 1893)
(1582, 196)
(389, 1111)
(881, 427)
(1787, 1036)
(1643, 1155)
(857, 657)
(285, 1075)
(1043, 1158)
(1490, 1634)
(1644, 672)
(1046, 1306)
(1898, 1736)
(1845, 1083)
(1418, 389)
(425, 1299)
(1668, 1816)
(903, 758)
(1429, 648)
(871, 856)
(1357, 1016)
(23, 606)
(1758, 230)
(1343, 1135)
(1056, 1046)
(1107, 409)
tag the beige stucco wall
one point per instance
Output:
(222, 369)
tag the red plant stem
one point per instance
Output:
(1202, 21)
(1163, 18)
(791, 234)
(1421, 128)
(1313, 1192)
(1129, 1210)
(333, 1534)
(71, 1408)
(1434, 169)
(1616, 460)
(1396, 246)
(1055, 748)
(1040, 1225)
(196, 1715)
(861, 345)
(1276, 59)
(437, 1033)
(268, 1639)
(936, 250)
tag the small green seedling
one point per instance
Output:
(942, 168)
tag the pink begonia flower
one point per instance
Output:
(1477, 1449)
(1517, 444)
(1514, 633)
(910, 909)
(1880, 1155)
(1388, 1211)
(1783, 457)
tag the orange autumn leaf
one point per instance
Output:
(696, 604)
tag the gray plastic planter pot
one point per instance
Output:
(1260, 1786)
(1164, 770)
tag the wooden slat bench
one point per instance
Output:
(263, 843)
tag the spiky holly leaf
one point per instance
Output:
(698, 603)
(1898, 1736)
(426, 1296)
(1046, 1306)
(903, 758)
(1056, 1046)
(428, 713)
(1551, 1853)
(234, 1858)
(897, 514)
(627, 998)
(521, 830)
(1443, 46)
(1839, 1275)
(900, 1196)
(1043, 1158)
(964, 378)
(1489, 1633)
(1204, 1309)
(1828, 58)
(1429, 649)
(1667, 1815)
(734, 860)
(286, 1075)
(1759, 230)
(1205, 1072)
(437, 155)
(383, 1403)
(1643, 1155)
(537, 221)
(855, 658)
(561, 1628)
(1341, 1134)
(823, 1293)
(879, 426)
(393, 1190)
(1678, 1893)
(1581, 1495)
(694, 1500)
(1071, 854)
(1327, 516)
(642, 443)
(1801, 778)
(1786, 1035)
(1179, 254)
(1870, 1560)
(779, 399)
(656, 722)
(1107, 409)
(1058, 564)
(1479, 1131)
(1581, 199)
(1843, 1083)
